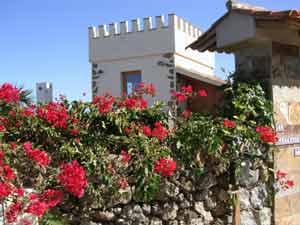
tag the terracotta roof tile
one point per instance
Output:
(259, 15)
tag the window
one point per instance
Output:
(130, 81)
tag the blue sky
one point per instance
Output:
(47, 40)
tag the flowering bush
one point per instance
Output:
(9, 93)
(72, 177)
(165, 167)
(74, 152)
(267, 134)
(69, 150)
(239, 134)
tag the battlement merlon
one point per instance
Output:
(149, 24)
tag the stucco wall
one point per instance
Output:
(244, 28)
(110, 80)
(155, 49)
(133, 44)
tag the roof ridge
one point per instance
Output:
(236, 5)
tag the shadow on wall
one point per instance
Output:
(225, 65)
(208, 104)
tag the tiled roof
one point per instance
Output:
(288, 15)
(208, 40)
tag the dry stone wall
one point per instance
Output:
(191, 200)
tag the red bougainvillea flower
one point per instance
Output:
(37, 208)
(27, 146)
(12, 114)
(127, 130)
(104, 103)
(1, 157)
(202, 93)
(73, 178)
(134, 103)
(229, 123)
(147, 131)
(180, 97)
(55, 114)
(40, 157)
(75, 121)
(51, 197)
(283, 182)
(123, 183)
(165, 167)
(11, 214)
(187, 90)
(186, 114)
(18, 124)
(9, 93)
(4, 120)
(290, 183)
(2, 128)
(19, 192)
(74, 132)
(12, 145)
(142, 103)
(28, 111)
(286, 184)
(8, 173)
(141, 85)
(280, 174)
(159, 131)
(150, 89)
(267, 134)
(32, 196)
(125, 156)
(5, 189)
(2, 154)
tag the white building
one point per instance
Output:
(125, 54)
(44, 92)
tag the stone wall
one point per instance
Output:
(256, 197)
(192, 200)
(286, 99)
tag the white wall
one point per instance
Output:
(202, 63)
(139, 44)
(116, 49)
(110, 81)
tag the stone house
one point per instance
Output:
(125, 54)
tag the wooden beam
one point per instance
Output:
(237, 210)
(271, 24)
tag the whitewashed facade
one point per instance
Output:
(156, 48)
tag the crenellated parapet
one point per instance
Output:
(147, 24)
